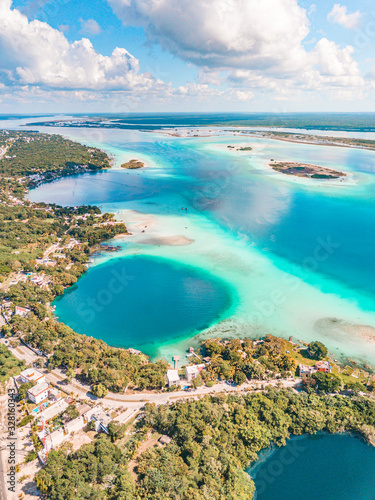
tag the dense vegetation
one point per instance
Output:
(26, 231)
(30, 153)
(9, 365)
(317, 350)
(91, 359)
(213, 441)
(239, 360)
(325, 121)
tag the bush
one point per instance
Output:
(26, 420)
(99, 390)
(32, 455)
(327, 382)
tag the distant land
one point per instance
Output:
(363, 122)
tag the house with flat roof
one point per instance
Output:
(173, 378)
(100, 417)
(74, 425)
(54, 394)
(21, 311)
(32, 375)
(192, 371)
(38, 393)
(306, 371)
(323, 366)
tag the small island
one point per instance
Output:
(244, 148)
(133, 164)
(305, 170)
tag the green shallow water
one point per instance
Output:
(141, 302)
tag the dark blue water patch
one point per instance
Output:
(329, 467)
(102, 187)
(143, 302)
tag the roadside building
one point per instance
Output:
(74, 425)
(192, 371)
(21, 311)
(32, 375)
(173, 378)
(306, 371)
(54, 394)
(38, 393)
(323, 366)
(100, 417)
(83, 408)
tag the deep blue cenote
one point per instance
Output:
(142, 302)
(322, 467)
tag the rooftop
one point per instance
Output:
(31, 374)
(38, 389)
(165, 439)
(192, 370)
(172, 376)
(75, 425)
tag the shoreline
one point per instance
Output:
(314, 140)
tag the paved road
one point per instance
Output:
(83, 391)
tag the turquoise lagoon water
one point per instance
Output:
(329, 467)
(143, 302)
(299, 256)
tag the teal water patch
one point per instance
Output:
(142, 302)
(331, 467)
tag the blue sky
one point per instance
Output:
(186, 55)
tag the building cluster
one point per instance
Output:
(45, 396)
(320, 366)
(8, 309)
(41, 390)
(51, 440)
(191, 372)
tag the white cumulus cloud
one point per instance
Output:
(33, 53)
(264, 35)
(339, 14)
(253, 44)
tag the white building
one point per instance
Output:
(100, 417)
(306, 371)
(21, 311)
(54, 394)
(38, 393)
(192, 371)
(173, 378)
(32, 375)
(75, 425)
